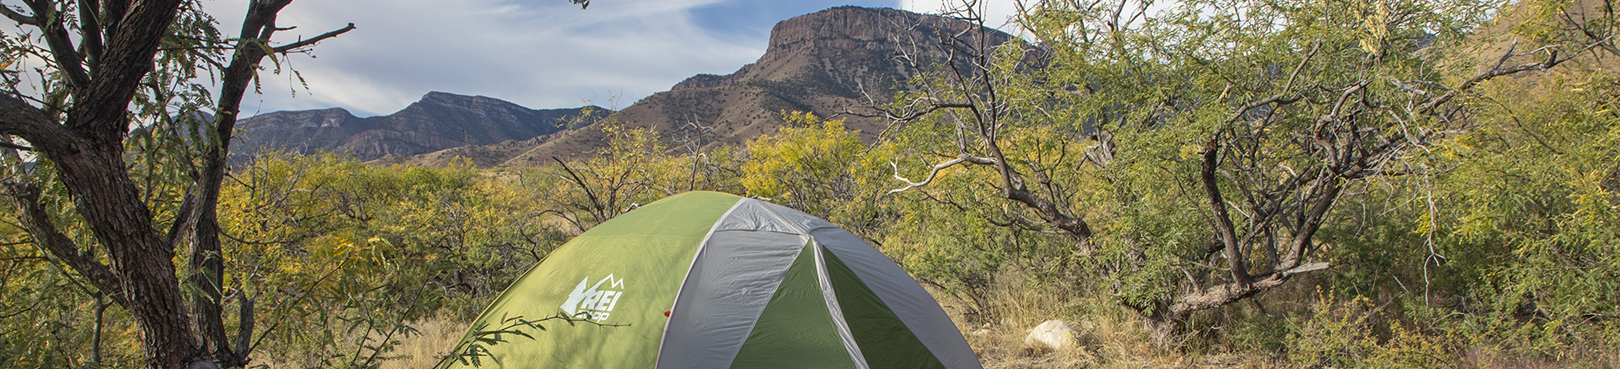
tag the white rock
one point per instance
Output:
(1054, 334)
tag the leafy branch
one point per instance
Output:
(475, 345)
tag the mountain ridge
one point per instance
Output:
(827, 62)
(437, 121)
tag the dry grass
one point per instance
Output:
(1111, 337)
(436, 336)
(1585, 357)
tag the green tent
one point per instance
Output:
(711, 280)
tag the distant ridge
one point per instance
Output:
(826, 62)
(436, 122)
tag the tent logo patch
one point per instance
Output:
(596, 302)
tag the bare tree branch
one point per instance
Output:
(1220, 219)
(598, 208)
(53, 27)
(23, 120)
(18, 17)
(25, 197)
(933, 170)
(13, 146)
(1497, 69)
(90, 32)
(294, 47)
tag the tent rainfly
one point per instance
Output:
(709, 280)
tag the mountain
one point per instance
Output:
(826, 62)
(436, 122)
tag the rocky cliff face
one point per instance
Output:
(827, 62)
(436, 122)
(298, 131)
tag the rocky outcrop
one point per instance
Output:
(304, 131)
(852, 28)
(436, 122)
(828, 62)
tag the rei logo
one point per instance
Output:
(594, 303)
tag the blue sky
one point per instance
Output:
(537, 53)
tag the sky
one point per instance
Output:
(537, 53)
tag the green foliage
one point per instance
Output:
(347, 254)
(1356, 334)
(958, 235)
(633, 169)
(807, 152)
(48, 316)
(1113, 125)
(819, 167)
(1493, 227)
(1435, 199)
(165, 135)
(1533, 201)
(48, 321)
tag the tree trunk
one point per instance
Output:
(88, 153)
(143, 261)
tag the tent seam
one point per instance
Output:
(779, 218)
(702, 244)
(827, 294)
(834, 309)
(916, 316)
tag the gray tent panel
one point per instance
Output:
(717, 306)
(755, 215)
(903, 295)
(730, 281)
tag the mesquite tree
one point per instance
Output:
(1193, 152)
(103, 67)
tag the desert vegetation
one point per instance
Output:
(1393, 183)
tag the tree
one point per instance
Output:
(347, 256)
(1194, 154)
(1529, 209)
(135, 64)
(821, 168)
(630, 172)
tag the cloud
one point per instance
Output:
(996, 13)
(537, 53)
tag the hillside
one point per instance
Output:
(438, 121)
(826, 62)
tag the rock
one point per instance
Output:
(1057, 335)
